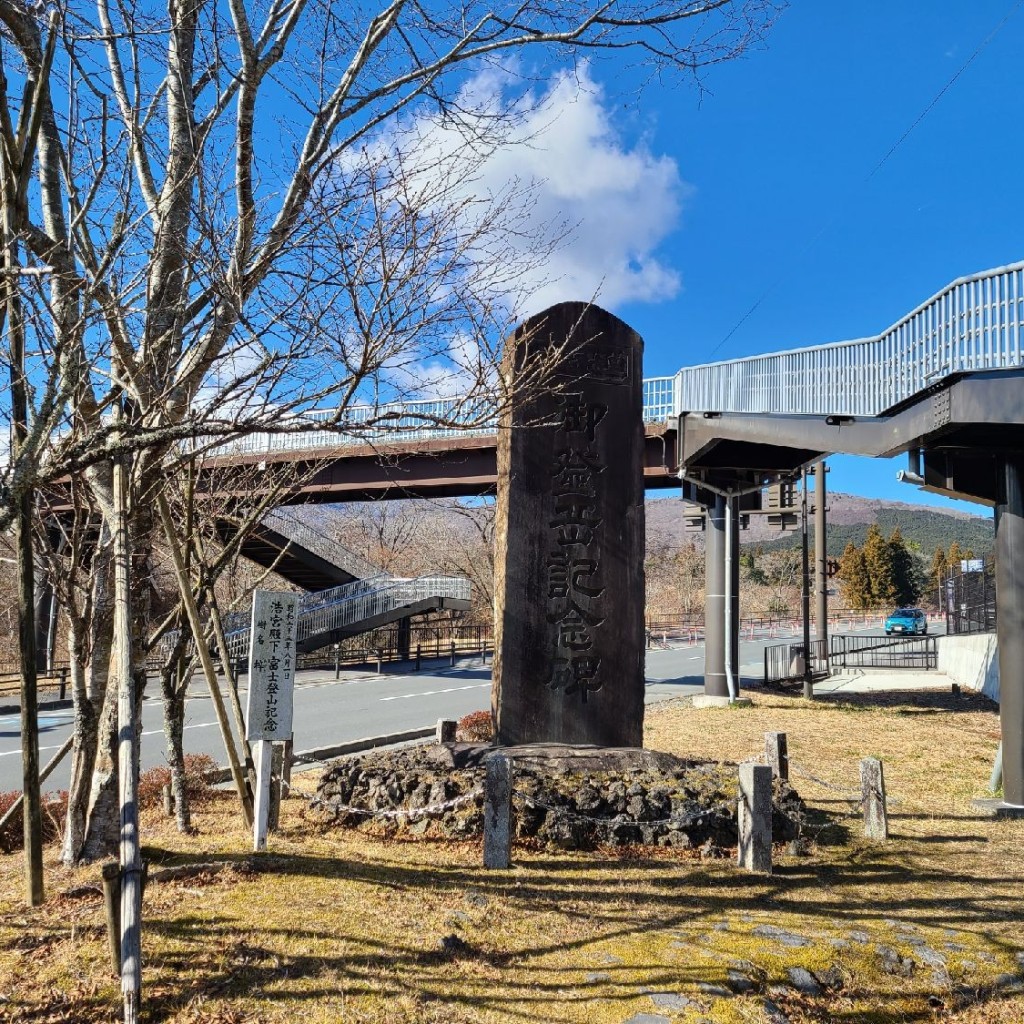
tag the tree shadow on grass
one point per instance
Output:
(512, 976)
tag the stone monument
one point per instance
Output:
(569, 578)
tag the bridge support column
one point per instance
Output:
(715, 683)
(1010, 626)
(732, 637)
(403, 638)
(820, 556)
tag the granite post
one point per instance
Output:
(754, 818)
(569, 582)
(498, 812)
(777, 754)
(872, 785)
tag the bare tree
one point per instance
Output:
(235, 221)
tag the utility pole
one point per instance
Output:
(821, 557)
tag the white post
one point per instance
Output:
(262, 753)
(730, 669)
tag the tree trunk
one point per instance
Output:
(174, 726)
(90, 666)
(83, 755)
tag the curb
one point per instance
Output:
(44, 705)
(222, 775)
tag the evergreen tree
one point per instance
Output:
(906, 578)
(854, 582)
(953, 559)
(937, 575)
(878, 558)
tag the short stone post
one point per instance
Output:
(776, 754)
(498, 812)
(754, 818)
(446, 730)
(872, 786)
(168, 797)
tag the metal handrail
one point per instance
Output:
(320, 544)
(330, 610)
(973, 324)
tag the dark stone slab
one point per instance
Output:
(569, 582)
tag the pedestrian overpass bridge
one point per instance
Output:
(945, 384)
(942, 383)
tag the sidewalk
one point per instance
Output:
(869, 680)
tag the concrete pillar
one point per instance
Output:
(45, 601)
(820, 554)
(1010, 626)
(403, 638)
(715, 684)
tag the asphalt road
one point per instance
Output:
(360, 704)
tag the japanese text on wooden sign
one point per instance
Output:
(268, 710)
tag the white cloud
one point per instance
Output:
(620, 201)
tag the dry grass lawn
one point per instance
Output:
(348, 926)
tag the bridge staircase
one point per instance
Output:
(300, 552)
(329, 616)
(347, 594)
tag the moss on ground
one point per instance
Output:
(355, 927)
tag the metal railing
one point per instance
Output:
(972, 324)
(302, 535)
(402, 422)
(909, 652)
(784, 662)
(326, 612)
(969, 601)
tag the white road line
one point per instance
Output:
(149, 732)
(431, 693)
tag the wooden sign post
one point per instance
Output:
(268, 711)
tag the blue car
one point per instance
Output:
(911, 621)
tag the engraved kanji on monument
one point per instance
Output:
(569, 580)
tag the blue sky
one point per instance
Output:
(815, 190)
(787, 205)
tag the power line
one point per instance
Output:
(881, 163)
